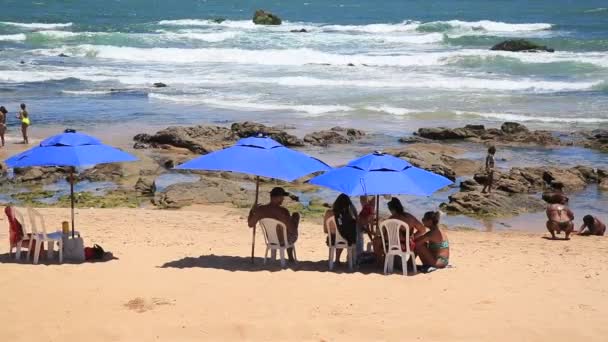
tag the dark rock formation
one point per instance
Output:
(438, 159)
(102, 173)
(39, 174)
(62, 55)
(498, 204)
(207, 191)
(510, 133)
(520, 45)
(218, 20)
(299, 31)
(197, 139)
(248, 129)
(336, 135)
(159, 85)
(145, 186)
(261, 17)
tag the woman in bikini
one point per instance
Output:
(3, 113)
(24, 117)
(560, 217)
(345, 218)
(433, 248)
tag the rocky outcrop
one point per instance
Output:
(145, 186)
(217, 20)
(510, 133)
(207, 191)
(248, 129)
(596, 139)
(159, 85)
(498, 204)
(520, 45)
(299, 31)
(43, 175)
(103, 173)
(336, 135)
(261, 17)
(197, 139)
(514, 190)
(439, 160)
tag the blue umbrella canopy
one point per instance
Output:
(381, 174)
(258, 156)
(69, 149)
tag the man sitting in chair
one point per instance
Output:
(275, 210)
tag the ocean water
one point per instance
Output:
(388, 67)
(415, 62)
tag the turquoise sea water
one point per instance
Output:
(413, 61)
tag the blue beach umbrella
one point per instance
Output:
(69, 149)
(381, 174)
(261, 157)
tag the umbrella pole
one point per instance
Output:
(255, 204)
(377, 214)
(72, 196)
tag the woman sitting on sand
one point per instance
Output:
(345, 215)
(433, 248)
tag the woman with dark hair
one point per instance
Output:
(433, 248)
(345, 215)
(398, 213)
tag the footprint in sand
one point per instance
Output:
(141, 305)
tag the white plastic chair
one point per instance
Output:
(393, 249)
(17, 214)
(339, 243)
(269, 227)
(40, 235)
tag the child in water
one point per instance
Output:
(24, 117)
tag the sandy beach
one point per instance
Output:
(185, 276)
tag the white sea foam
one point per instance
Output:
(532, 118)
(597, 10)
(412, 39)
(87, 92)
(13, 37)
(213, 37)
(496, 26)
(36, 26)
(391, 110)
(406, 26)
(250, 104)
(64, 34)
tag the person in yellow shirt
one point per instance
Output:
(24, 117)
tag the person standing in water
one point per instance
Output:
(490, 164)
(24, 117)
(3, 113)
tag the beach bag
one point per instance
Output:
(94, 253)
(73, 249)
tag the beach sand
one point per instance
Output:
(186, 276)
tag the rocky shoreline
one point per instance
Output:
(434, 149)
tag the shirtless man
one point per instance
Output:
(560, 217)
(3, 113)
(275, 210)
(593, 225)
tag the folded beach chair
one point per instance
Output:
(269, 227)
(338, 243)
(18, 238)
(394, 245)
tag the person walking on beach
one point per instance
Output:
(24, 117)
(490, 164)
(275, 210)
(592, 226)
(3, 113)
(560, 217)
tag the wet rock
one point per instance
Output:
(336, 135)
(249, 129)
(145, 186)
(497, 204)
(604, 184)
(197, 139)
(299, 31)
(159, 85)
(350, 65)
(43, 175)
(261, 17)
(218, 20)
(596, 139)
(438, 159)
(520, 45)
(510, 133)
(103, 173)
(207, 191)
(414, 140)
(62, 55)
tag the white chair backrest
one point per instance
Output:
(37, 223)
(340, 240)
(269, 226)
(392, 228)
